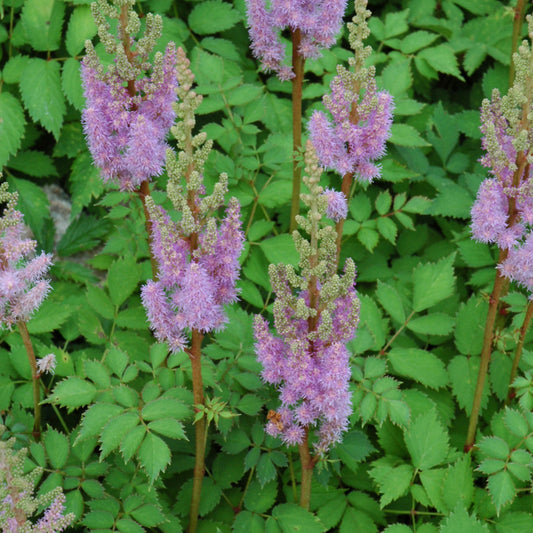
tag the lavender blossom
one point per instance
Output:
(23, 285)
(198, 255)
(315, 315)
(318, 21)
(503, 211)
(47, 364)
(355, 137)
(128, 114)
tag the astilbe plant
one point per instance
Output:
(17, 502)
(503, 211)
(197, 256)
(315, 314)
(361, 116)
(129, 105)
(314, 25)
(23, 284)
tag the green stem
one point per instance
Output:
(486, 352)
(519, 12)
(297, 84)
(35, 379)
(200, 427)
(518, 351)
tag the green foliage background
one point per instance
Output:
(119, 411)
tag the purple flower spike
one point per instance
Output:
(23, 285)
(319, 22)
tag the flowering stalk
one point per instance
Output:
(315, 314)
(503, 210)
(22, 285)
(361, 116)
(128, 112)
(313, 25)
(197, 257)
(17, 503)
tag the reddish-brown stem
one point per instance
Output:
(307, 462)
(195, 355)
(297, 84)
(518, 351)
(35, 379)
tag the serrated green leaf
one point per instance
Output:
(73, 392)
(280, 249)
(266, 471)
(494, 447)
(391, 301)
(248, 522)
(387, 228)
(432, 324)
(383, 202)
(463, 374)
(50, 316)
(115, 430)
(100, 302)
(85, 182)
(131, 442)
(250, 404)
(11, 126)
(354, 448)
(393, 481)
(98, 520)
(442, 59)
(469, 328)
(42, 21)
(502, 489)
(260, 498)
(427, 441)
(14, 68)
(406, 135)
(291, 517)
(212, 16)
(33, 163)
(168, 427)
(330, 513)
(458, 484)
(126, 396)
(97, 373)
(516, 423)
(360, 207)
(71, 83)
(459, 521)
(81, 26)
(417, 40)
(165, 408)
(40, 87)
(122, 279)
(368, 237)
(417, 204)
(397, 78)
(420, 365)
(57, 448)
(148, 515)
(154, 455)
(433, 282)
(95, 418)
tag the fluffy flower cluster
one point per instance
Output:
(353, 140)
(315, 314)
(318, 21)
(313, 377)
(360, 126)
(23, 286)
(503, 210)
(17, 503)
(192, 286)
(126, 133)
